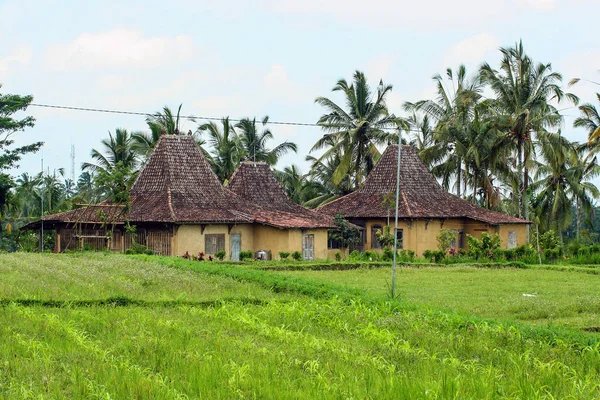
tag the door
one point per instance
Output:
(308, 247)
(512, 239)
(236, 245)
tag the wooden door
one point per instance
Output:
(308, 247)
(236, 246)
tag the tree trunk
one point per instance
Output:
(520, 177)
(474, 186)
(458, 176)
(578, 219)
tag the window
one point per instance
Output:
(214, 243)
(374, 242)
(512, 239)
(400, 237)
(332, 244)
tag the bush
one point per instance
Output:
(129, 252)
(246, 255)
(284, 254)
(445, 239)
(338, 256)
(435, 256)
(149, 252)
(137, 248)
(297, 255)
(487, 246)
(220, 255)
(407, 255)
(388, 254)
(355, 256)
(371, 256)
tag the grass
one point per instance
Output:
(559, 298)
(306, 338)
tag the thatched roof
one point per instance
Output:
(421, 196)
(255, 183)
(177, 184)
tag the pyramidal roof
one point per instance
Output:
(177, 184)
(255, 183)
(421, 196)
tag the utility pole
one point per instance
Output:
(73, 163)
(394, 265)
(42, 196)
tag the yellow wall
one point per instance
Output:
(521, 230)
(290, 240)
(421, 235)
(190, 238)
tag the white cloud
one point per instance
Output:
(278, 85)
(21, 56)
(396, 13)
(118, 48)
(471, 51)
(538, 5)
(379, 67)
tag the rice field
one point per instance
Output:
(202, 330)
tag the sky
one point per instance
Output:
(264, 57)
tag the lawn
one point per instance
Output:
(244, 333)
(537, 295)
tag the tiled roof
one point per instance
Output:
(177, 184)
(255, 183)
(88, 214)
(421, 196)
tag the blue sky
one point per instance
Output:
(264, 57)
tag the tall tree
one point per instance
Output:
(452, 110)
(293, 182)
(9, 126)
(354, 132)
(117, 148)
(524, 92)
(590, 121)
(255, 141)
(226, 147)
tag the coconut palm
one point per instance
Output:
(590, 121)
(293, 182)
(524, 93)
(255, 141)
(320, 188)
(227, 148)
(354, 132)
(452, 111)
(116, 149)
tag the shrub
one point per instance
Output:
(129, 252)
(371, 256)
(487, 246)
(284, 254)
(296, 255)
(446, 239)
(407, 255)
(435, 256)
(149, 252)
(388, 254)
(246, 255)
(338, 256)
(355, 256)
(220, 255)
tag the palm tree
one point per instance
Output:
(117, 149)
(561, 181)
(255, 142)
(353, 133)
(590, 120)
(524, 92)
(452, 111)
(227, 148)
(293, 182)
(320, 188)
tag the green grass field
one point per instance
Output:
(117, 327)
(561, 298)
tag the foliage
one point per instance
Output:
(446, 238)
(385, 238)
(296, 255)
(352, 134)
(284, 254)
(246, 255)
(254, 142)
(344, 233)
(338, 256)
(220, 255)
(116, 182)
(484, 247)
(435, 256)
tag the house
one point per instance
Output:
(424, 208)
(178, 206)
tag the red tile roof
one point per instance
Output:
(88, 214)
(255, 183)
(421, 196)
